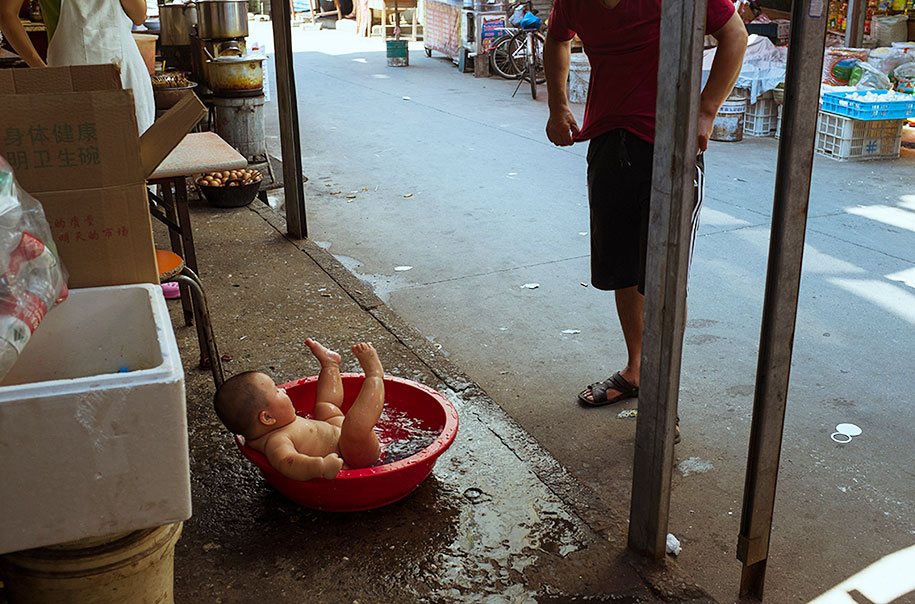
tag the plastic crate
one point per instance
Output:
(843, 138)
(841, 103)
(761, 118)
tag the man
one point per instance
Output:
(621, 39)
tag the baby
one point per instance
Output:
(250, 404)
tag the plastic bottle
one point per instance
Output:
(32, 279)
(30, 287)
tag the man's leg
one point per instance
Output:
(619, 188)
(629, 306)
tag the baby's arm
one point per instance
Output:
(283, 456)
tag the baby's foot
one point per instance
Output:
(325, 356)
(368, 358)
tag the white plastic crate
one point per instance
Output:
(778, 123)
(844, 138)
(93, 423)
(761, 118)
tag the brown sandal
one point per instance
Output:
(599, 390)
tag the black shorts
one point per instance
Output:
(619, 194)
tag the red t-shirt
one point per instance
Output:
(622, 45)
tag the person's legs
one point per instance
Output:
(359, 444)
(619, 188)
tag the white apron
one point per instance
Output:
(93, 32)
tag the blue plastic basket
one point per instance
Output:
(840, 103)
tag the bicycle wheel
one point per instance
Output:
(500, 57)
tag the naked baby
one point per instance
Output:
(251, 404)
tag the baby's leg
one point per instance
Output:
(330, 386)
(328, 412)
(358, 443)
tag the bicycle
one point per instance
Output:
(500, 54)
(518, 53)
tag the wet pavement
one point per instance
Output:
(498, 520)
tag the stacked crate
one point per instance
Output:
(761, 117)
(852, 129)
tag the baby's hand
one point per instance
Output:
(332, 465)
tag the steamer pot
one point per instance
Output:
(222, 19)
(236, 76)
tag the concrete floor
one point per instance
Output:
(455, 178)
(498, 520)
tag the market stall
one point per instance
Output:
(442, 27)
(464, 30)
(866, 93)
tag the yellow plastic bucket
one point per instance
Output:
(136, 567)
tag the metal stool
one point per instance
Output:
(172, 269)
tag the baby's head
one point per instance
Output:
(251, 404)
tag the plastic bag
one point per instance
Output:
(904, 75)
(530, 21)
(889, 28)
(865, 76)
(517, 15)
(838, 63)
(888, 59)
(32, 277)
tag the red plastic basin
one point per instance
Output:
(366, 488)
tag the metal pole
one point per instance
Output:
(786, 249)
(672, 198)
(854, 24)
(281, 15)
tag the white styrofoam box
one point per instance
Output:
(86, 449)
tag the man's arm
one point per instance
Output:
(732, 43)
(136, 10)
(283, 456)
(561, 126)
(14, 32)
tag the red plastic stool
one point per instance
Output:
(172, 269)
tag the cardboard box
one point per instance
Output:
(86, 449)
(70, 134)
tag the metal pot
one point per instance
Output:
(176, 23)
(236, 76)
(222, 19)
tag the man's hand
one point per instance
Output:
(561, 127)
(706, 125)
(332, 465)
